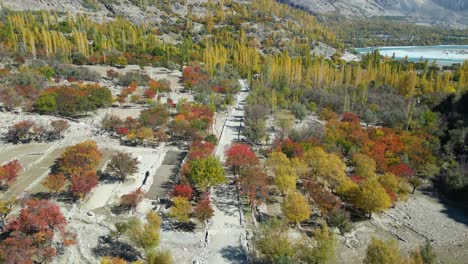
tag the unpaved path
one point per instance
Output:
(226, 232)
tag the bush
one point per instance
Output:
(327, 114)
(212, 138)
(299, 111)
(129, 77)
(340, 219)
(78, 73)
(159, 257)
(132, 199)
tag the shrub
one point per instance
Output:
(132, 199)
(129, 77)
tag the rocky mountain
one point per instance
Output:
(452, 13)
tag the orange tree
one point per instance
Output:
(81, 157)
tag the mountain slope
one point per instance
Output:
(453, 13)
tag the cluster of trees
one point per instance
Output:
(217, 89)
(250, 176)
(200, 171)
(79, 39)
(143, 234)
(368, 32)
(35, 234)
(20, 89)
(453, 177)
(192, 122)
(73, 100)
(379, 251)
(27, 131)
(148, 128)
(76, 168)
(276, 246)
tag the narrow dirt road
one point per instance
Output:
(226, 230)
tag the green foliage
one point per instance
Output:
(145, 236)
(46, 103)
(340, 219)
(212, 138)
(382, 252)
(324, 249)
(273, 241)
(159, 257)
(367, 32)
(206, 172)
(299, 111)
(427, 254)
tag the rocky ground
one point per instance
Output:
(423, 217)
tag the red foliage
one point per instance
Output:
(171, 103)
(391, 194)
(193, 75)
(122, 131)
(9, 172)
(204, 211)
(18, 249)
(290, 148)
(32, 231)
(219, 89)
(132, 87)
(149, 93)
(132, 199)
(112, 74)
(240, 155)
(38, 216)
(357, 179)
(184, 191)
(350, 117)
(402, 170)
(81, 184)
(253, 182)
(322, 197)
(201, 150)
(131, 123)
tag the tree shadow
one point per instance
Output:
(113, 248)
(106, 178)
(119, 209)
(233, 254)
(453, 210)
(227, 199)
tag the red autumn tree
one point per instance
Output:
(201, 150)
(288, 147)
(132, 199)
(402, 170)
(32, 233)
(149, 93)
(350, 117)
(323, 199)
(9, 172)
(204, 211)
(184, 191)
(122, 131)
(194, 75)
(81, 184)
(18, 249)
(239, 156)
(253, 183)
